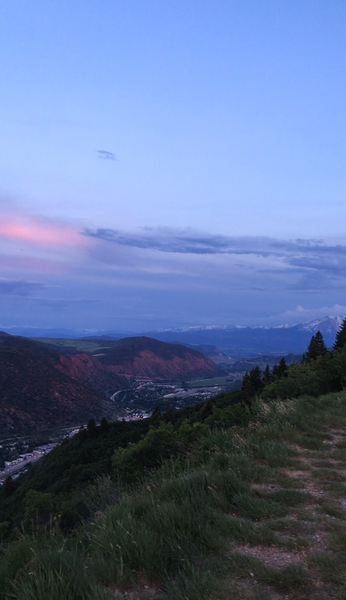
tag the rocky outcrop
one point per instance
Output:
(84, 367)
(150, 365)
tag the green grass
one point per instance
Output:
(289, 526)
(287, 497)
(53, 571)
(333, 510)
(324, 464)
(328, 475)
(331, 568)
(276, 453)
(291, 578)
(341, 444)
(182, 527)
(199, 585)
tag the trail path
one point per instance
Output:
(313, 535)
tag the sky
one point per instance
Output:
(168, 164)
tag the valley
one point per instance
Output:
(49, 383)
(140, 399)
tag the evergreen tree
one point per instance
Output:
(104, 424)
(322, 348)
(156, 416)
(281, 369)
(8, 487)
(91, 425)
(245, 381)
(255, 376)
(247, 389)
(340, 340)
(267, 376)
(251, 385)
(316, 348)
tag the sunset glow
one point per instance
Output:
(172, 164)
(39, 232)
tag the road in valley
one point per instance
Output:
(13, 469)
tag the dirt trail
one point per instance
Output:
(318, 526)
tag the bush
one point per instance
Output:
(135, 460)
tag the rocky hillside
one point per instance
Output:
(37, 393)
(89, 369)
(139, 357)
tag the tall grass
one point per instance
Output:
(53, 572)
(175, 528)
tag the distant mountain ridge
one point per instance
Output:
(249, 341)
(328, 323)
(237, 340)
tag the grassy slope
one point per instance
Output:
(88, 455)
(242, 514)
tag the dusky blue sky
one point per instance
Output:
(225, 201)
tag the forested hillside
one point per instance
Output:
(321, 371)
(36, 393)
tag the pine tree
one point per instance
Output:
(255, 376)
(247, 390)
(340, 340)
(104, 424)
(156, 416)
(316, 347)
(267, 376)
(91, 425)
(281, 369)
(251, 385)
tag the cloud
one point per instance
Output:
(168, 240)
(165, 239)
(106, 154)
(210, 277)
(20, 288)
(301, 264)
(301, 314)
(26, 228)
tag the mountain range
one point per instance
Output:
(240, 341)
(251, 341)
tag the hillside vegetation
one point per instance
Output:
(241, 497)
(35, 393)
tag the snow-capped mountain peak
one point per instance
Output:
(325, 325)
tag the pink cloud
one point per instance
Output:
(33, 230)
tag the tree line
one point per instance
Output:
(321, 371)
